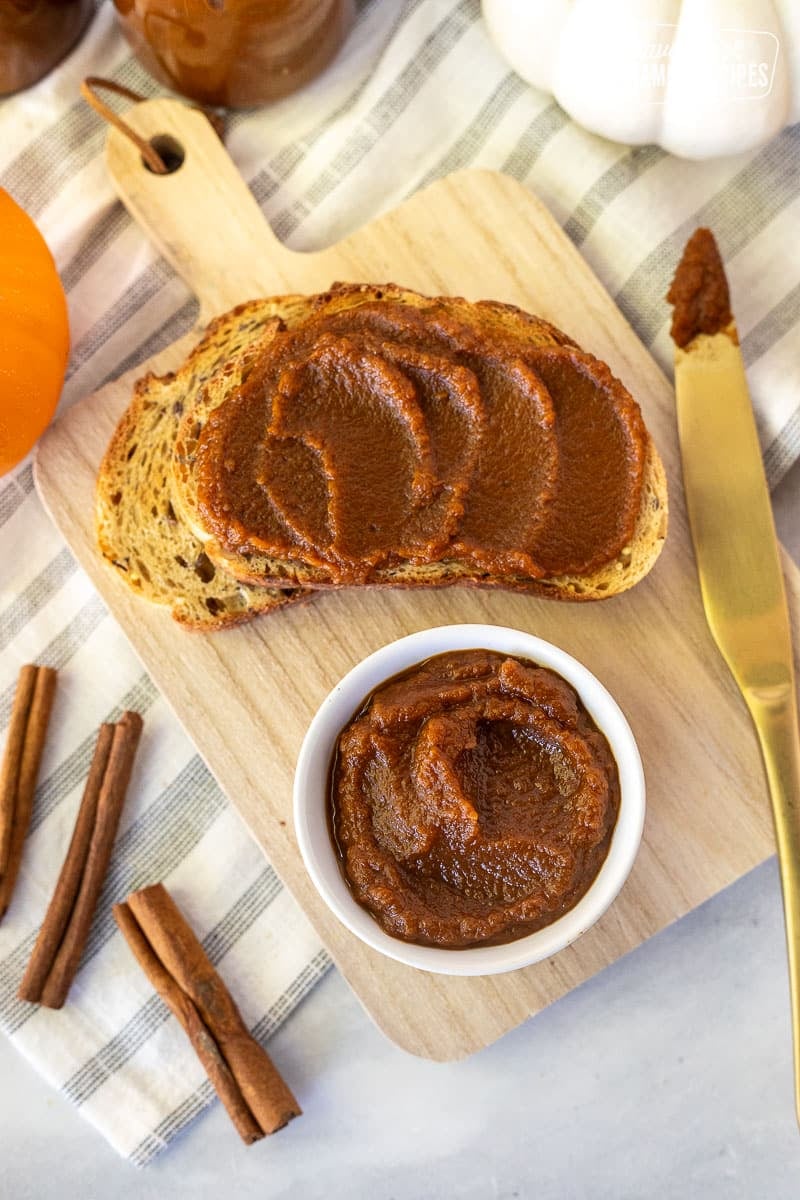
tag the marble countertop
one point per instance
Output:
(668, 1075)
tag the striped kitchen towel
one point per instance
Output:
(417, 92)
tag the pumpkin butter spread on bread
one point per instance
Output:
(372, 436)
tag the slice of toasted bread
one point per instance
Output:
(139, 528)
(504, 323)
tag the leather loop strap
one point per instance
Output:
(92, 84)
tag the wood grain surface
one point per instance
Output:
(246, 696)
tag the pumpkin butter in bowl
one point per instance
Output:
(469, 800)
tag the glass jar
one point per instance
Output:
(35, 35)
(236, 53)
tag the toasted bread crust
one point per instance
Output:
(138, 528)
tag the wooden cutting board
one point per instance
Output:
(246, 696)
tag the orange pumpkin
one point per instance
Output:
(34, 334)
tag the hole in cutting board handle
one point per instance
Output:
(169, 150)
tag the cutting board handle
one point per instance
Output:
(203, 217)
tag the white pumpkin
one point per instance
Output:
(702, 78)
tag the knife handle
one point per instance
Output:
(774, 713)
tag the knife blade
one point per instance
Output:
(736, 549)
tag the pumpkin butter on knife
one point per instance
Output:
(373, 436)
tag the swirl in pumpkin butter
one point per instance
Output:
(380, 433)
(472, 800)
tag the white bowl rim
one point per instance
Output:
(313, 765)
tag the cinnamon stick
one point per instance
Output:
(33, 702)
(63, 902)
(57, 954)
(194, 981)
(204, 1045)
(12, 759)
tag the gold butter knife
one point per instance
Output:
(737, 551)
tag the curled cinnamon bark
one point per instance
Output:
(33, 701)
(245, 1078)
(204, 1045)
(62, 937)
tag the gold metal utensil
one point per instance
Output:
(737, 552)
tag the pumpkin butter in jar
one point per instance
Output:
(237, 53)
(34, 37)
(472, 800)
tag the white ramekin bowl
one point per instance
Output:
(311, 797)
